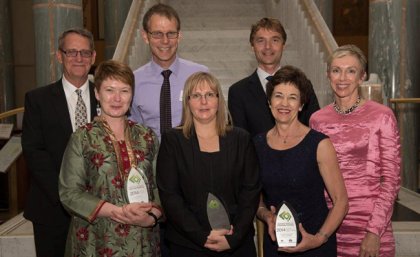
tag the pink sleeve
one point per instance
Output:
(390, 160)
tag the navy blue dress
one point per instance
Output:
(293, 175)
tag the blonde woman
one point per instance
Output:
(206, 154)
(365, 136)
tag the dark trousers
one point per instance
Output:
(247, 249)
(164, 244)
(50, 241)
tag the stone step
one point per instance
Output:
(214, 9)
(216, 35)
(231, 68)
(206, 48)
(177, 3)
(407, 238)
(209, 23)
(213, 54)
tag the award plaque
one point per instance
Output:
(287, 230)
(216, 213)
(136, 186)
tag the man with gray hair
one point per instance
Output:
(51, 115)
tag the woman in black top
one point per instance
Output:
(205, 154)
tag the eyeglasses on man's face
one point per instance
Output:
(74, 52)
(208, 96)
(160, 35)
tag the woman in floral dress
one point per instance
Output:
(96, 164)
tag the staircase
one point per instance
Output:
(216, 34)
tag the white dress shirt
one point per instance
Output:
(71, 97)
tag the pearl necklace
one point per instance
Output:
(349, 110)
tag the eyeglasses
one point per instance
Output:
(160, 35)
(73, 53)
(208, 96)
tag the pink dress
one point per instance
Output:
(368, 150)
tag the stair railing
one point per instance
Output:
(312, 38)
(12, 170)
(130, 48)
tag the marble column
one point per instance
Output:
(115, 14)
(7, 94)
(51, 18)
(394, 54)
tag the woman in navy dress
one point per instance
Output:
(297, 165)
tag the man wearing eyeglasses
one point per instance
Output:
(51, 115)
(161, 31)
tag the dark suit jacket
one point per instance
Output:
(183, 186)
(249, 108)
(46, 130)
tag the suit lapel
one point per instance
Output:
(259, 95)
(93, 101)
(60, 103)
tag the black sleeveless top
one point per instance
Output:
(293, 175)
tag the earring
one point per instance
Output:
(301, 108)
(98, 109)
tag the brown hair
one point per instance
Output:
(268, 24)
(290, 74)
(162, 10)
(112, 69)
(222, 117)
(82, 32)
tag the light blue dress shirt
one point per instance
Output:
(148, 82)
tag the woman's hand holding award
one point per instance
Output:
(216, 213)
(286, 226)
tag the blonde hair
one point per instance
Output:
(346, 50)
(222, 116)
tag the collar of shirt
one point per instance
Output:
(157, 69)
(70, 89)
(262, 75)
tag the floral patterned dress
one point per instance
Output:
(93, 172)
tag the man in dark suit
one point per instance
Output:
(247, 100)
(50, 118)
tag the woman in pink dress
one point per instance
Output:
(365, 136)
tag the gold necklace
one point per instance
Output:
(284, 138)
(114, 141)
(275, 132)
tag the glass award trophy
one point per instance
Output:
(136, 186)
(286, 227)
(216, 213)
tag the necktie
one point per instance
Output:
(165, 103)
(268, 78)
(80, 113)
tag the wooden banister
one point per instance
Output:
(7, 114)
(404, 100)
